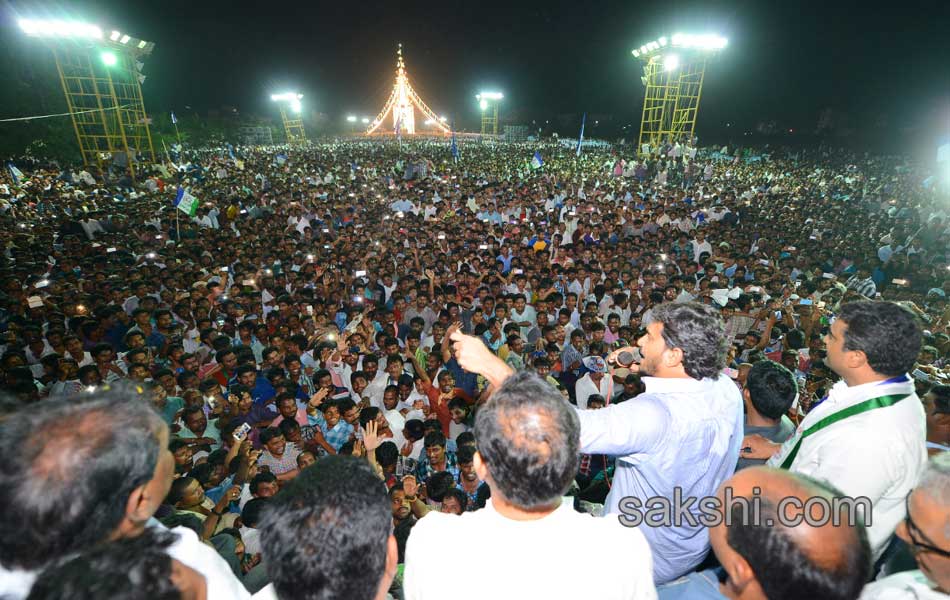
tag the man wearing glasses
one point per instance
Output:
(926, 531)
(867, 437)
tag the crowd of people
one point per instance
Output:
(402, 362)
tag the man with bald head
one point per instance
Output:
(926, 531)
(527, 542)
(783, 556)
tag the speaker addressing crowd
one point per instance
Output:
(362, 368)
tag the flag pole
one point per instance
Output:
(177, 226)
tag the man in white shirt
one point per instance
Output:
(701, 246)
(595, 381)
(867, 437)
(65, 489)
(520, 542)
(341, 500)
(925, 531)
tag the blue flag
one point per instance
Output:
(15, 173)
(230, 150)
(174, 120)
(185, 202)
(580, 139)
(536, 162)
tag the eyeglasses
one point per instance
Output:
(915, 546)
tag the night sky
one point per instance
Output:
(884, 65)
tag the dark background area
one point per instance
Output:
(880, 72)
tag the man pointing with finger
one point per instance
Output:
(683, 433)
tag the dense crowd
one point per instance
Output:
(436, 317)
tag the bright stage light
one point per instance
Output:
(662, 40)
(429, 121)
(483, 104)
(351, 118)
(490, 96)
(443, 119)
(42, 28)
(365, 120)
(115, 36)
(671, 62)
(295, 106)
(125, 39)
(109, 59)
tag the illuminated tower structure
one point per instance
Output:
(101, 76)
(673, 72)
(402, 104)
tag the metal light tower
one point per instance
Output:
(102, 81)
(488, 103)
(293, 124)
(673, 73)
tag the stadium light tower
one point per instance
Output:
(101, 77)
(488, 103)
(673, 71)
(293, 124)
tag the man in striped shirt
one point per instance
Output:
(862, 283)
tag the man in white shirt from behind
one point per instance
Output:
(868, 437)
(528, 440)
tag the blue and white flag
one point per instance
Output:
(174, 119)
(230, 150)
(455, 147)
(186, 203)
(580, 139)
(536, 162)
(281, 159)
(16, 173)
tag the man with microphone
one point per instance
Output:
(680, 438)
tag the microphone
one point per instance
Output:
(625, 359)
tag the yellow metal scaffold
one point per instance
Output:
(102, 80)
(293, 123)
(673, 73)
(293, 127)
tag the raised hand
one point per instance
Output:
(371, 437)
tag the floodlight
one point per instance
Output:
(429, 122)
(125, 39)
(365, 120)
(490, 96)
(443, 119)
(671, 62)
(115, 36)
(662, 40)
(295, 106)
(483, 104)
(142, 44)
(351, 118)
(109, 59)
(636, 54)
(59, 28)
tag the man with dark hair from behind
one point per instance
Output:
(684, 431)
(867, 437)
(137, 568)
(82, 471)
(768, 558)
(327, 535)
(769, 392)
(528, 440)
